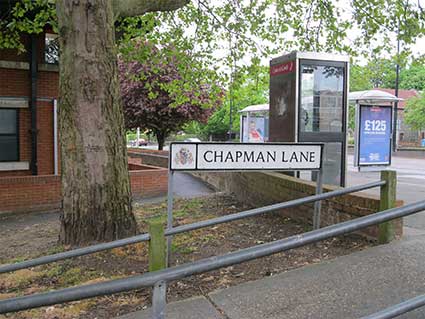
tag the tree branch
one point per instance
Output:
(131, 8)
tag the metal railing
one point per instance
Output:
(159, 279)
(399, 309)
(184, 228)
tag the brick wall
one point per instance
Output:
(148, 181)
(148, 157)
(29, 193)
(262, 189)
(43, 192)
(15, 82)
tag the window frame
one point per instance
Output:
(16, 135)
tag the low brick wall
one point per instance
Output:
(43, 192)
(148, 181)
(261, 189)
(29, 193)
(148, 157)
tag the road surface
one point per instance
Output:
(410, 183)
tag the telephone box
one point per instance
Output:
(308, 103)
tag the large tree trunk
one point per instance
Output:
(95, 178)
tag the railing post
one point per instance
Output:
(159, 300)
(157, 246)
(318, 204)
(387, 200)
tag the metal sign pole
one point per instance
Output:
(318, 204)
(169, 213)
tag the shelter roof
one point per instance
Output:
(373, 96)
(255, 108)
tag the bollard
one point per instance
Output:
(157, 246)
(387, 200)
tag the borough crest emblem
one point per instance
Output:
(183, 157)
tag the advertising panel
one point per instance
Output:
(256, 131)
(374, 135)
(245, 156)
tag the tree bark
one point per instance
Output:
(131, 8)
(160, 137)
(95, 178)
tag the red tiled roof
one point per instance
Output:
(404, 94)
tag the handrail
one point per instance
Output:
(184, 228)
(74, 253)
(204, 265)
(399, 309)
(269, 208)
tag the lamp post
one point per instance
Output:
(397, 75)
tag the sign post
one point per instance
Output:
(243, 157)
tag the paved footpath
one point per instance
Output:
(348, 287)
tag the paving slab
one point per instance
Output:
(347, 287)
(193, 308)
(189, 186)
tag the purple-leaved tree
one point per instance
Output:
(152, 102)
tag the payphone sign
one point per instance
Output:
(375, 135)
(283, 68)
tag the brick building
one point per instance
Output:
(28, 94)
(29, 152)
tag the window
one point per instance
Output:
(322, 89)
(9, 150)
(51, 50)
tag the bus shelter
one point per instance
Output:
(254, 123)
(374, 128)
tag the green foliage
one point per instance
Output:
(351, 118)
(377, 73)
(381, 72)
(232, 32)
(413, 77)
(415, 112)
(359, 78)
(250, 87)
(26, 16)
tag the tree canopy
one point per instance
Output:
(240, 30)
(250, 86)
(415, 112)
(149, 93)
(381, 72)
(413, 76)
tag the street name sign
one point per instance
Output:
(245, 156)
